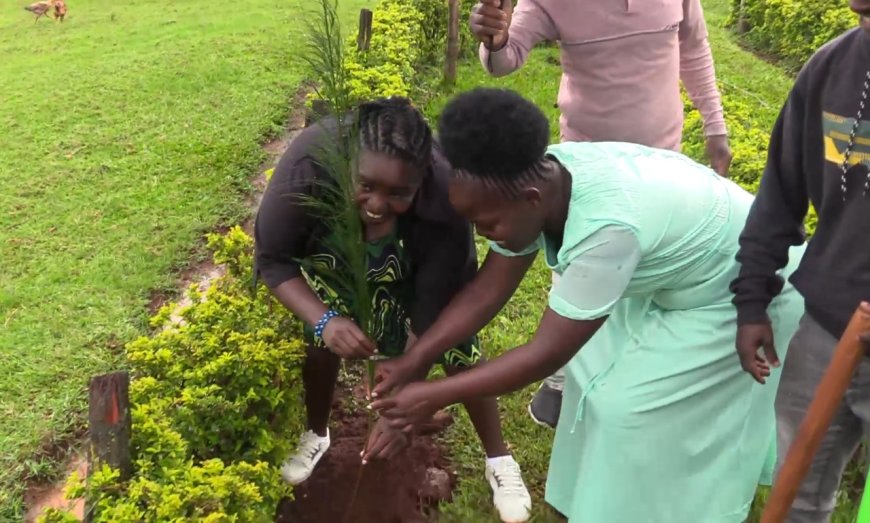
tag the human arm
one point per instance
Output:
(469, 311)
(774, 224)
(580, 302)
(528, 24)
(699, 77)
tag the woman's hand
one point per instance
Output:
(750, 338)
(394, 374)
(410, 406)
(346, 340)
(385, 442)
(490, 22)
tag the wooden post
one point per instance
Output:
(742, 22)
(364, 37)
(452, 42)
(109, 424)
(828, 395)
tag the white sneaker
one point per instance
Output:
(509, 493)
(299, 466)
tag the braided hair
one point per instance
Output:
(394, 127)
(495, 136)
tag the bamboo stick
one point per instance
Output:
(452, 42)
(828, 395)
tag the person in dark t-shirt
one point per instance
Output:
(420, 253)
(819, 153)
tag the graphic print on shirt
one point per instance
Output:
(836, 130)
(389, 286)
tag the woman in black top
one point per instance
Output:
(420, 254)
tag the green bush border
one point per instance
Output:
(791, 30)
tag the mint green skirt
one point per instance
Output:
(659, 422)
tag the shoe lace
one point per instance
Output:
(308, 448)
(509, 479)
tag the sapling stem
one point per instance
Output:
(370, 370)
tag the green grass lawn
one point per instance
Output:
(128, 131)
(759, 84)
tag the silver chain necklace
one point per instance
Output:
(848, 153)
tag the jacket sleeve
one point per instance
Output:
(696, 68)
(530, 24)
(283, 226)
(775, 221)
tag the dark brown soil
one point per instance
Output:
(403, 490)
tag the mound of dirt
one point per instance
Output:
(402, 490)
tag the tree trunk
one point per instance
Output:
(452, 42)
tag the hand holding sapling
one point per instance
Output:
(395, 374)
(411, 406)
(345, 339)
(385, 442)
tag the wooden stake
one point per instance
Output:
(109, 425)
(742, 22)
(452, 42)
(364, 37)
(828, 395)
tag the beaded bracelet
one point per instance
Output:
(321, 323)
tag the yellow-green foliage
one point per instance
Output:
(747, 139)
(388, 67)
(215, 405)
(793, 29)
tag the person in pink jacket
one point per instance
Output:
(622, 63)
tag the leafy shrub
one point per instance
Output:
(748, 139)
(468, 43)
(405, 54)
(387, 68)
(215, 404)
(793, 29)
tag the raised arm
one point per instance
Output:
(473, 307)
(507, 35)
(466, 314)
(579, 304)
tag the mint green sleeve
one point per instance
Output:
(597, 275)
(528, 250)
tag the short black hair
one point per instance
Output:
(393, 126)
(495, 135)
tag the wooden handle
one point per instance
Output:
(847, 356)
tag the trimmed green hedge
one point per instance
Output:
(748, 137)
(215, 404)
(792, 30)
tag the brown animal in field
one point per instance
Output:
(39, 9)
(59, 10)
(42, 8)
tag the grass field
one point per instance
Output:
(128, 131)
(757, 83)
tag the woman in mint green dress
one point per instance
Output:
(661, 424)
